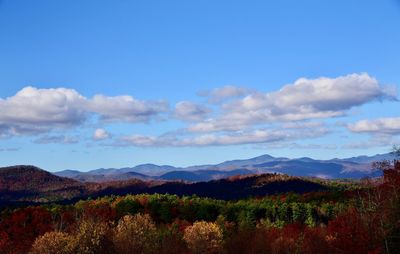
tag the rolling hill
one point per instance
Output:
(28, 184)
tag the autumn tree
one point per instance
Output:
(91, 237)
(53, 243)
(135, 234)
(203, 237)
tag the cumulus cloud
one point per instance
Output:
(33, 110)
(218, 95)
(125, 108)
(377, 126)
(100, 134)
(189, 111)
(304, 99)
(318, 96)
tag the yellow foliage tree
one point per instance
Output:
(203, 237)
(91, 237)
(53, 243)
(135, 234)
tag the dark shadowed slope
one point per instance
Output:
(29, 183)
(203, 175)
(236, 187)
(242, 187)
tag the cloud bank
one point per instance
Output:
(377, 126)
(228, 116)
(303, 100)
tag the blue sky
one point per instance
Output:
(89, 84)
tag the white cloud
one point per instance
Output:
(377, 126)
(125, 108)
(303, 100)
(100, 134)
(260, 136)
(189, 111)
(220, 124)
(33, 110)
(245, 117)
(303, 125)
(218, 95)
(314, 96)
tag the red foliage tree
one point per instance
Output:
(349, 234)
(22, 227)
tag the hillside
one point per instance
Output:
(31, 184)
(239, 187)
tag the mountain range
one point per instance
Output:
(354, 167)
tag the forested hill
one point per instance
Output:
(31, 184)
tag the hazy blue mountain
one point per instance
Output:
(152, 169)
(246, 162)
(314, 168)
(354, 167)
(370, 159)
(148, 169)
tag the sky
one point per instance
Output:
(97, 84)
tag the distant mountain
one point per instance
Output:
(248, 162)
(152, 169)
(316, 168)
(148, 169)
(354, 167)
(370, 159)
